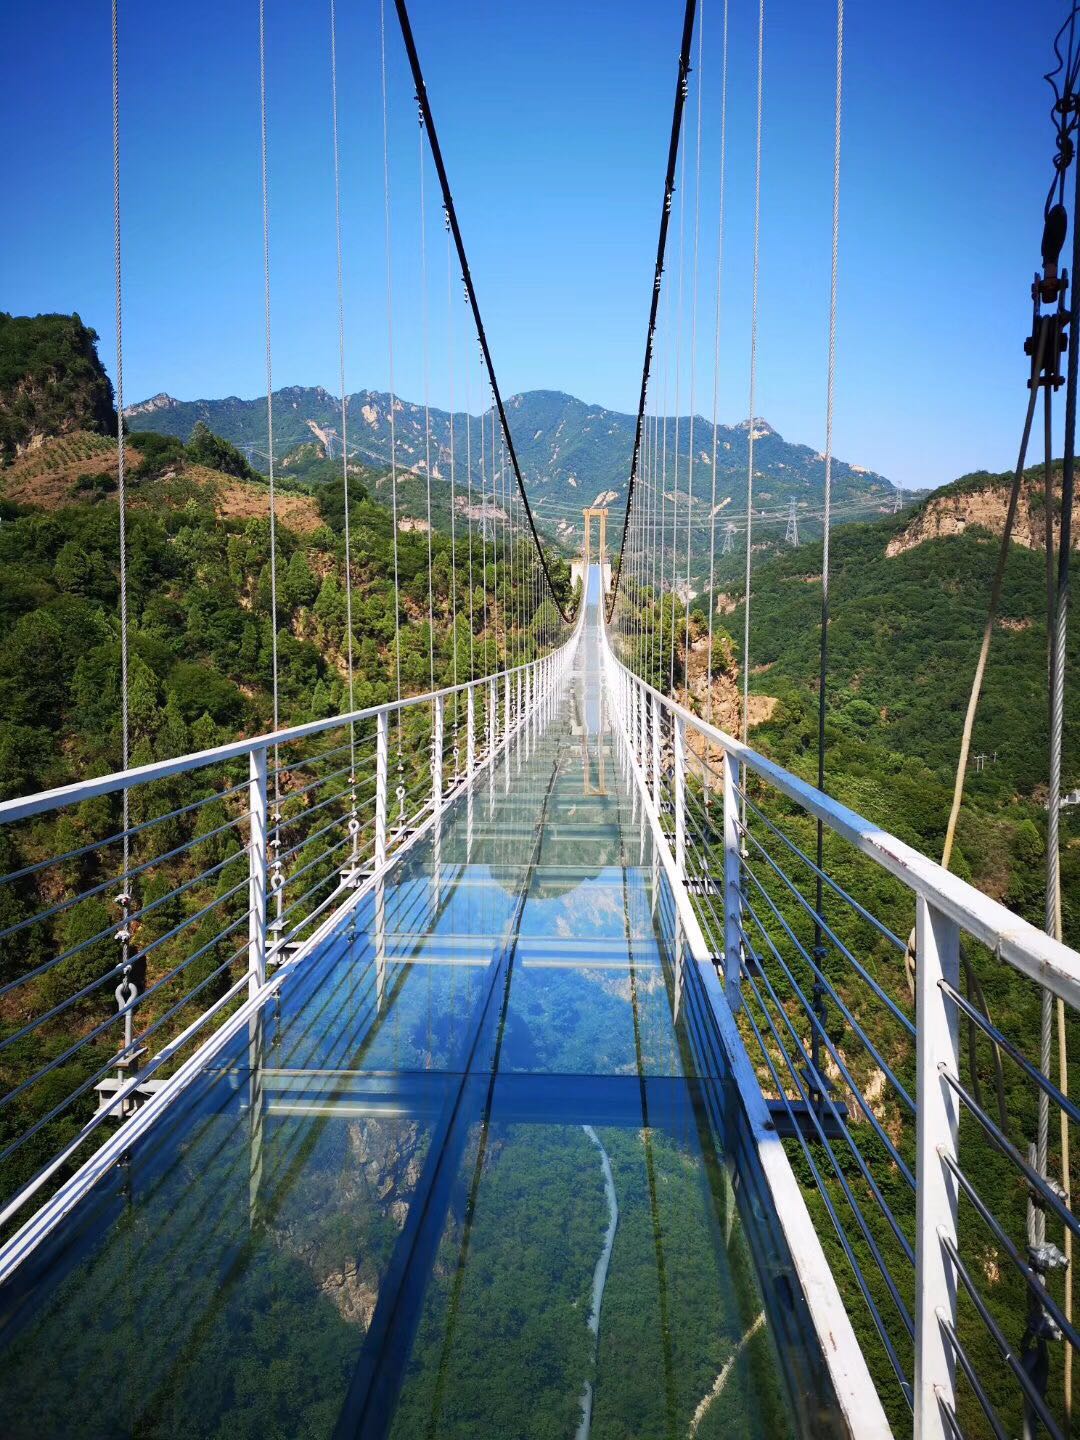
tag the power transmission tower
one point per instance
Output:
(791, 536)
(898, 500)
(729, 538)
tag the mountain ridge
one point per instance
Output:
(571, 452)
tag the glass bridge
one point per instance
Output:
(477, 1170)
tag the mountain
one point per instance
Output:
(572, 454)
(51, 381)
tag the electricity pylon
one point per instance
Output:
(791, 535)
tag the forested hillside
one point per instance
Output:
(51, 381)
(907, 617)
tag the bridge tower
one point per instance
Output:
(580, 568)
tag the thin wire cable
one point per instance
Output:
(678, 398)
(425, 327)
(121, 469)
(753, 376)
(274, 842)
(453, 483)
(390, 353)
(830, 405)
(341, 382)
(1060, 616)
(693, 341)
(468, 511)
(716, 353)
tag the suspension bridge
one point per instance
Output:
(524, 1054)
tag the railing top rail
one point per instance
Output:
(1012, 938)
(25, 807)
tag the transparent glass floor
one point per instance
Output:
(474, 1173)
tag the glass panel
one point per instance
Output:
(464, 1177)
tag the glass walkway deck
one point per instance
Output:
(477, 1171)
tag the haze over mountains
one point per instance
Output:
(572, 454)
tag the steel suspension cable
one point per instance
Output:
(274, 842)
(453, 486)
(344, 399)
(1059, 617)
(678, 399)
(469, 515)
(390, 349)
(753, 377)
(387, 229)
(661, 247)
(830, 403)
(448, 202)
(716, 356)
(425, 326)
(124, 899)
(693, 343)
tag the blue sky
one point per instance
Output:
(554, 122)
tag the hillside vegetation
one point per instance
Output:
(907, 617)
(51, 381)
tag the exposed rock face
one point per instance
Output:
(726, 689)
(379, 1175)
(952, 514)
(161, 401)
(354, 1300)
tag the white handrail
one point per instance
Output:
(1015, 940)
(26, 806)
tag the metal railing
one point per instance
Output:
(929, 1135)
(112, 974)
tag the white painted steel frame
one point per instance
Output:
(550, 672)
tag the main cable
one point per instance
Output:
(661, 247)
(466, 274)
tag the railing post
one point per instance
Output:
(493, 707)
(643, 727)
(382, 766)
(732, 885)
(937, 959)
(656, 753)
(520, 693)
(470, 731)
(437, 756)
(506, 705)
(679, 797)
(257, 852)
